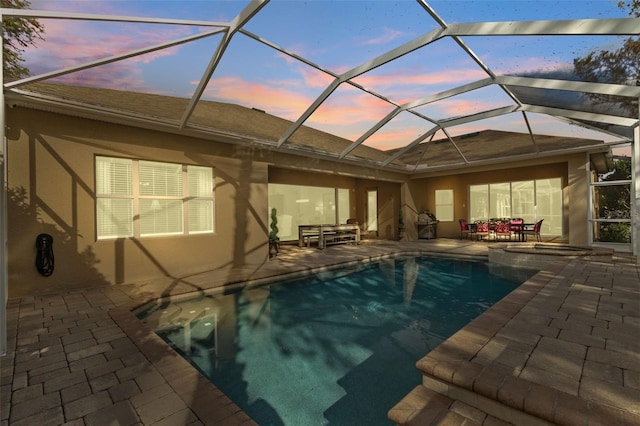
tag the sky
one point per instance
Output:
(336, 36)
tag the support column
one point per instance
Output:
(3, 219)
(635, 188)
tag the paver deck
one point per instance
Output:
(563, 348)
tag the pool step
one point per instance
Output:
(424, 407)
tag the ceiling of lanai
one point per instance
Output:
(388, 80)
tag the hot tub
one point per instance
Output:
(537, 255)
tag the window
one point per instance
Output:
(530, 200)
(304, 205)
(372, 209)
(137, 198)
(444, 205)
(611, 200)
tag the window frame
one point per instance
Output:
(450, 207)
(133, 222)
(533, 217)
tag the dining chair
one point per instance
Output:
(465, 231)
(535, 231)
(515, 228)
(482, 230)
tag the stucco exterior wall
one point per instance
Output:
(576, 199)
(51, 161)
(388, 206)
(51, 189)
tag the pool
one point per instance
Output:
(338, 347)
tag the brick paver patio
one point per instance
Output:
(562, 348)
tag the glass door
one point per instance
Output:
(610, 197)
(372, 210)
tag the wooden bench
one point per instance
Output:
(340, 238)
(339, 234)
(328, 234)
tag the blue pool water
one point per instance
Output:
(337, 348)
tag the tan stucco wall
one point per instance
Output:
(51, 189)
(388, 206)
(576, 199)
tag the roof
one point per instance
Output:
(380, 105)
(247, 124)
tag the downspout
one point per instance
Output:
(3, 215)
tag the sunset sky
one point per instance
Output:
(336, 36)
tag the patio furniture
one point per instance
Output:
(516, 226)
(338, 234)
(308, 234)
(502, 230)
(427, 226)
(328, 234)
(464, 228)
(535, 231)
(482, 230)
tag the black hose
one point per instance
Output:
(44, 256)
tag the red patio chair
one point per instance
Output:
(503, 230)
(515, 227)
(464, 228)
(482, 230)
(535, 231)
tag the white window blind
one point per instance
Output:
(200, 204)
(114, 176)
(165, 193)
(444, 205)
(114, 181)
(160, 217)
(114, 217)
(160, 179)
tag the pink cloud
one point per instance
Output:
(111, 76)
(70, 43)
(461, 107)
(314, 78)
(289, 104)
(397, 80)
(339, 115)
(394, 138)
(387, 35)
(349, 107)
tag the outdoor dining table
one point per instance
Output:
(323, 231)
(516, 228)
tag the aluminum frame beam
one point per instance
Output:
(612, 26)
(581, 115)
(46, 14)
(571, 86)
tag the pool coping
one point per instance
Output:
(463, 369)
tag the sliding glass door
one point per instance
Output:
(610, 200)
(530, 200)
(306, 205)
(372, 210)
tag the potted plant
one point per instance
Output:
(274, 245)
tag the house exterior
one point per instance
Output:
(54, 151)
